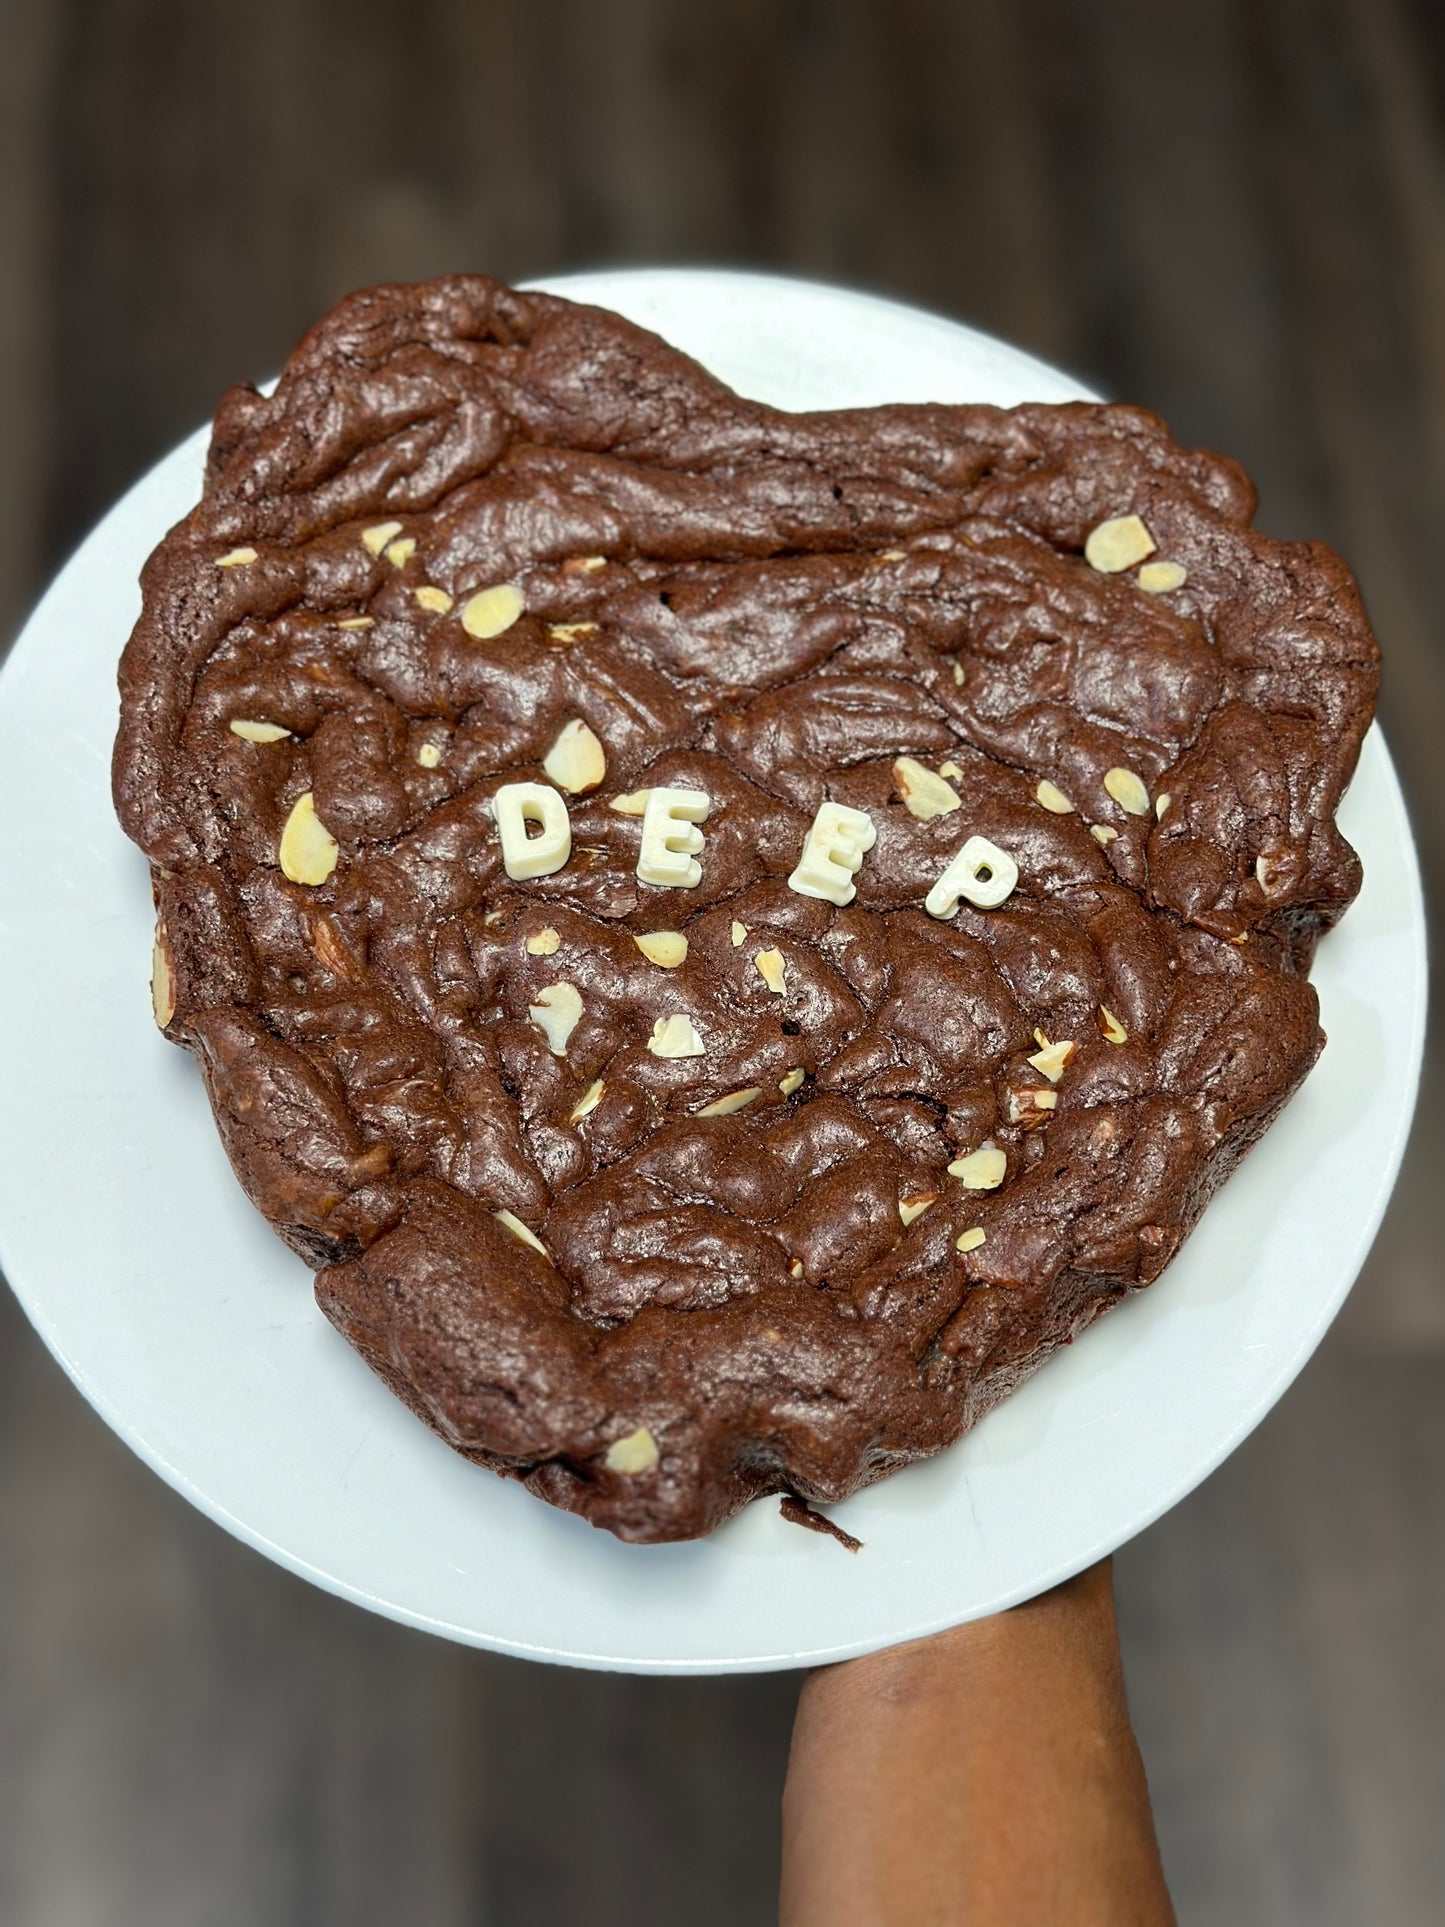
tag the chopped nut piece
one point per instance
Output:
(675, 1036)
(891, 555)
(1161, 805)
(490, 612)
(1102, 833)
(924, 794)
(1028, 1105)
(576, 761)
(983, 1169)
(739, 934)
(665, 947)
(358, 622)
(795, 1269)
(1041, 1038)
(163, 978)
(428, 756)
(1118, 544)
(308, 849)
(544, 943)
(981, 871)
(565, 632)
(734, 1101)
(1128, 791)
(772, 967)
(434, 599)
(1158, 578)
(588, 1102)
(971, 1239)
(492, 916)
(1114, 1031)
(400, 552)
(914, 1207)
(557, 1013)
(950, 768)
(584, 564)
(1052, 1061)
(671, 840)
(259, 732)
(1053, 798)
(524, 1233)
(958, 672)
(636, 1453)
(633, 804)
(327, 942)
(235, 559)
(792, 1080)
(376, 539)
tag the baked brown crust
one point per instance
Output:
(785, 605)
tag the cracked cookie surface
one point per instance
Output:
(662, 1198)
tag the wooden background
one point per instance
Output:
(1232, 210)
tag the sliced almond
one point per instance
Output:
(633, 804)
(584, 564)
(400, 552)
(734, 1101)
(636, 1453)
(358, 622)
(1028, 1105)
(911, 1208)
(235, 558)
(791, 1080)
(739, 934)
(576, 760)
(587, 1103)
(675, 1036)
(664, 947)
(428, 756)
(891, 555)
(772, 967)
(1161, 805)
(490, 612)
(544, 942)
(163, 978)
(1158, 578)
(1053, 798)
(557, 1013)
(308, 849)
(436, 600)
(1103, 833)
(1128, 791)
(327, 942)
(1118, 544)
(259, 732)
(565, 632)
(795, 1269)
(1052, 1061)
(950, 769)
(971, 1239)
(522, 1232)
(981, 1170)
(958, 672)
(376, 539)
(925, 794)
(1114, 1031)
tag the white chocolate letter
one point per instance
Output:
(981, 871)
(833, 853)
(515, 806)
(670, 844)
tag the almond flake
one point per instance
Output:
(949, 768)
(376, 539)
(1114, 1031)
(428, 756)
(1053, 798)
(163, 979)
(490, 612)
(557, 1013)
(308, 849)
(1102, 833)
(1052, 1060)
(584, 564)
(925, 794)
(1128, 791)
(358, 622)
(1029, 1104)
(1161, 805)
(675, 1036)
(958, 672)
(523, 1233)
(792, 1080)
(633, 804)
(795, 1269)
(1041, 1038)
(772, 967)
(400, 552)
(259, 732)
(664, 947)
(565, 632)
(434, 599)
(891, 555)
(914, 1207)
(576, 761)
(235, 559)
(1118, 544)
(970, 1240)
(739, 934)
(636, 1453)
(734, 1101)
(587, 1103)
(1158, 578)
(544, 943)
(983, 1169)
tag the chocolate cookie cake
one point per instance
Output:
(724, 936)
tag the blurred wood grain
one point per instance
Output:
(1234, 213)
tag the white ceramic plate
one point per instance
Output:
(192, 1329)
